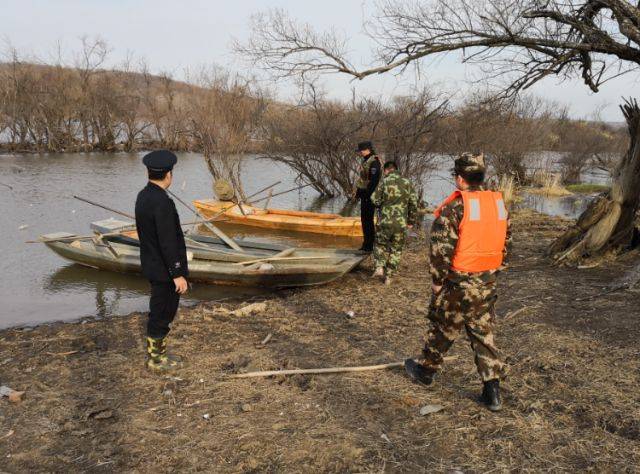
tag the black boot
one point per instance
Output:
(418, 372)
(491, 395)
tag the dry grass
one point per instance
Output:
(507, 186)
(571, 400)
(549, 184)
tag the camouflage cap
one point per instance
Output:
(470, 163)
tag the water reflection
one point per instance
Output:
(565, 206)
(116, 292)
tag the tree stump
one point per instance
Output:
(607, 225)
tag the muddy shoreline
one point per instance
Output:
(571, 399)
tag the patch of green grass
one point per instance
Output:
(587, 188)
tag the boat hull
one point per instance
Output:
(297, 221)
(125, 258)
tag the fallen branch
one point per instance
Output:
(329, 370)
(62, 354)
(515, 313)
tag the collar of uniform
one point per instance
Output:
(156, 187)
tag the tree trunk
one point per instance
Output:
(607, 225)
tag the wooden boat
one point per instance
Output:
(298, 221)
(212, 261)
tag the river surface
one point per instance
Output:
(38, 286)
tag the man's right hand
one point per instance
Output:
(181, 285)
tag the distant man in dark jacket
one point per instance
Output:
(163, 255)
(367, 182)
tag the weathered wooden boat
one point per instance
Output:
(210, 259)
(298, 221)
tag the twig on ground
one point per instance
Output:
(515, 313)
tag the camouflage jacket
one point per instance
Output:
(444, 238)
(369, 176)
(398, 202)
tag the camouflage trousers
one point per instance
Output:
(388, 249)
(470, 305)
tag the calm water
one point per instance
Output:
(38, 286)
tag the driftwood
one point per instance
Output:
(329, 370)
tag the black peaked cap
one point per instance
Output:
(365, 146)
(160, 160)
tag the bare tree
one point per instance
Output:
(130, 111)
(317, 138)
(509, 130)
(90, 59)
(412, 132)
(224, 111)
(523, 41)
(588, 144)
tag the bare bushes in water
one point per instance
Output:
(223, 113)
(317, 137)
(508, 130)
(588, 144)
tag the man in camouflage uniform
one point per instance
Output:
(461, 299)
(398, 204)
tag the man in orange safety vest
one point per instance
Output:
(468, 245)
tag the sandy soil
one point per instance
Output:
(571, 402)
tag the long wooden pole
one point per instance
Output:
(329, 370)
(228, 240)
(102, 206)
(132, 227)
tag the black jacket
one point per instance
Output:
(163, 253)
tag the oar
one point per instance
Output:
(93, 203)
(281, 193)
(222, 211)
(228, 240)
(115, 211)
(279, 259)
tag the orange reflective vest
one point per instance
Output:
(482, 232)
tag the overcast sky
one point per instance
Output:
(173, 36)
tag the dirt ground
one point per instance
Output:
(571, 401)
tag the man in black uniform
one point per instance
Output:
(367, 183)
(163, 255)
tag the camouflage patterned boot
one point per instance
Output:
(158, 360)
(491, 395)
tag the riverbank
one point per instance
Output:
(571, 400)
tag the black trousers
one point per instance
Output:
(367, 211)
(163, 306)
